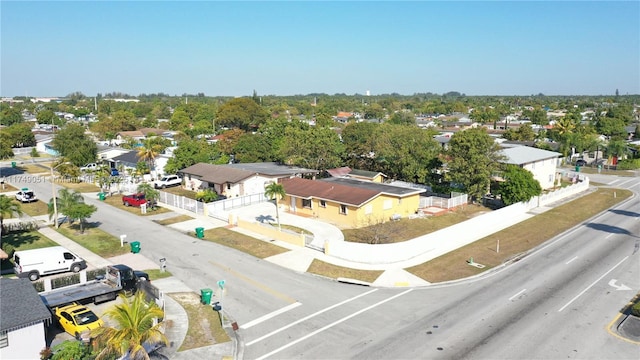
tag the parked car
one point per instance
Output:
(581, 162)
(34, 263)
(166, 181)
(90, 167)
(26, 195)
(114, 172)
(134, 199)
(76, 319)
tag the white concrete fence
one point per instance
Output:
(443, 241)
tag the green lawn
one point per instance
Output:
(35, 208)
(24, 240)
(95, 240)
(258, 248)
(155, 274)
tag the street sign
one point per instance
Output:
(221, 284)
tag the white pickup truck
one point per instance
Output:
(167, 181)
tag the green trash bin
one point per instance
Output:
(200, 232)
(205, 296)
(577, 168)
(13, 164)
(101, 196)
(135, 247)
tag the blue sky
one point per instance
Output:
(299, 47)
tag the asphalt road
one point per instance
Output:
(554, 303)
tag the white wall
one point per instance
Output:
(544, 171)
(25, 343)
(443, 241)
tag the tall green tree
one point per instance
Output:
(10, 115)
(8, 207)
(74, 145)
(149, 151)
(275, 191)
(134, 327)
(19, 135)
(318, 148)
(242, 113)
(519, 185)
(65, 201)
(80, 212)
(191, 152)
(473, 157)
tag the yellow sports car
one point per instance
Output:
(76, 319)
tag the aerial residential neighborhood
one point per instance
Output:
(319, 180)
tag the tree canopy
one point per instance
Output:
(519, 185)
(242, 113)
(74, 145)
(473, 157)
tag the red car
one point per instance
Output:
(134, 200)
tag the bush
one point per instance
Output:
(635, 309)
(65, 281)
(628, 164)
(206, 195)
(20, 226)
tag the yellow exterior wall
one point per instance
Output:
(357, 216)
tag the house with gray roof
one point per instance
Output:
(541, 163)
(23, 318)
(240, 179)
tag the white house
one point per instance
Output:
(23, 319)
(541, 163)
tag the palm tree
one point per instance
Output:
(64, 202)
(150, 193)
(272, 191)
(134, 329)
(8, 207)
(149, 151)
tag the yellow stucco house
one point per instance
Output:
(349, 202)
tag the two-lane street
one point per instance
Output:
(554, 303)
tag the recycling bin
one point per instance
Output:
(200, 232)
(205, 296)
(13, 164)
(577, 168)
(135, 247)
(101, 196)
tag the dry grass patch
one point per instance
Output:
(35, 168)
(407, 229)
(205, 326)
(94, 239)
(180, 191)
(333, 271)
(519, 238)
(35, 208)
(174, 220)
(244, 243)
(116, 200)
(82, 187)
(7, 188)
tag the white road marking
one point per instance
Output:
(569, 262)
(623, 183)
(613, 182)
(516, 295)
(608, 236)
(595, 282)
(331, 325)
(308, 317)
(270, 315)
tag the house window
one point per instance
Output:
(306, 203)
(368, 210)
(388, 204)
(4, 340)
(550, 177)
(323, 203)
(343, 209)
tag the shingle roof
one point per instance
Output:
(379, 188)
(130, 157)
(365, 173)
(217, 174)
(20, 304)
(324, 190)
(519, 155)
(271, 168)
(341, 171)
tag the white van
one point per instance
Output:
(44, 261)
